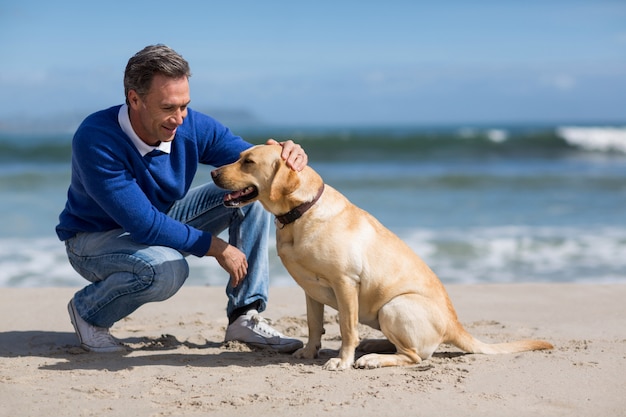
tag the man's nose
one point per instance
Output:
(179, 116)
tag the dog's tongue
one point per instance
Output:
(236, 195)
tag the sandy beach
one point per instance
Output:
(178, 365)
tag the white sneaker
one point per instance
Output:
(93, 338)
(254, 330)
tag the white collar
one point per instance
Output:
(124, 120)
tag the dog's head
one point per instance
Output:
(259, 174)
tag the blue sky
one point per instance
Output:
(328, 62)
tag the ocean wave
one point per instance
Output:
(520, 254)
(397, 143)
(35, 148)
(597, 139)
(460, 256)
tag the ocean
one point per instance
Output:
(480, 204)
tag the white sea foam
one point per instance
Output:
(522, 254)
(42, 262)
(39, 262)
(494, 135)
(497, 135)
(603, 139)
(494, 254)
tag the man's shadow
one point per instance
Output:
(163, 350)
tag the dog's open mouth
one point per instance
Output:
(240, 197)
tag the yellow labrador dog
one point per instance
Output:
(343, 257)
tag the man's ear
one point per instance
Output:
(133, 98)
(285, 181)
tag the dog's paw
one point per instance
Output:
(304, 353)
(374, 360)
(336, 364)
(368, 362)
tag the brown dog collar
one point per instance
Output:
(297, 212)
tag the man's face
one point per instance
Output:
(157, 115)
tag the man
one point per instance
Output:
(130, 217)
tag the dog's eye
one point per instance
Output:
(248, 161)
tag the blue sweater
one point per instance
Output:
(114, 187)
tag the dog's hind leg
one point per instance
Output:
(409, 327)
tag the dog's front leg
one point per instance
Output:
(315, 321)
(347, 296)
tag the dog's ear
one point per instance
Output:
(285, 181)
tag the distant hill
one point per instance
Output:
(53, 124)
(233, 117)
(68, 122)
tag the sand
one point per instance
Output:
(178, 365)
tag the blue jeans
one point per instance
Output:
(124, 274)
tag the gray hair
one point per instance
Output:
(152, 60)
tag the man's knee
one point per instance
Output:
(165, 272)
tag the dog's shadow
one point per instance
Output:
(383, 346)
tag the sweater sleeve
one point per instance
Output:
(107, 180)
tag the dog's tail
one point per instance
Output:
(462, 339)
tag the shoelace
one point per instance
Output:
(264, 326)
(101, 336)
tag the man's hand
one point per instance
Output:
(230, 258)
(293, 154)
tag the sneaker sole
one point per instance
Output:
(290, 348)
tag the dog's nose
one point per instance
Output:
(215, 173)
